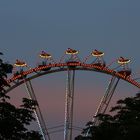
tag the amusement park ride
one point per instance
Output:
(70, 62)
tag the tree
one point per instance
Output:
(14, 120)
(124, 125)
(5, 68)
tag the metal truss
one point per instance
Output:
(37, 111)
(70, 64)
(69, 103)
(104, 103)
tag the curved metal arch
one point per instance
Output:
(63, 67)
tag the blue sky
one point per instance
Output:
(28, 27)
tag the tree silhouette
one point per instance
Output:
(124, 125)
(14, 120)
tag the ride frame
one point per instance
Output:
(25, 77)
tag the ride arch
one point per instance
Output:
(72, 64)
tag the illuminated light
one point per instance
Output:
(97, 53)
(74, 63)
(128, 78)
(105, 69)
(32, 70)
(19, 76)
(12, 78)
(93, 67)
(39, 68)
(123, 76)
(122, 60)
(88, 66)
(62, 65)
(97, 67)
(45, 55)
(28, 72)
(59, 65)
(43, 67)
(71, 51)
(110, 70)
(84, 65)
(118, 74)
(24, 73)
(53, 65)
(20, 63)
(35, 69)
(100, 67)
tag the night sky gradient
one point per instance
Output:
(30, 26)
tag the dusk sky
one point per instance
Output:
(28, 27)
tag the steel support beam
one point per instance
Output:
(69, 103)
(105, 100)
(37, 111)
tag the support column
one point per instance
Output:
(104, 103)
(106, 98)
(69, 103)
(37, 111)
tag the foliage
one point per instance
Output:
(124, 125)
(14, 120)
(5, 68)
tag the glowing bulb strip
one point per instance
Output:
(93, 67)
(123, 62)
(97, 54)
(72, 52)
(20, 64)
(45, 56)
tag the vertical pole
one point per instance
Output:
(69, 103)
